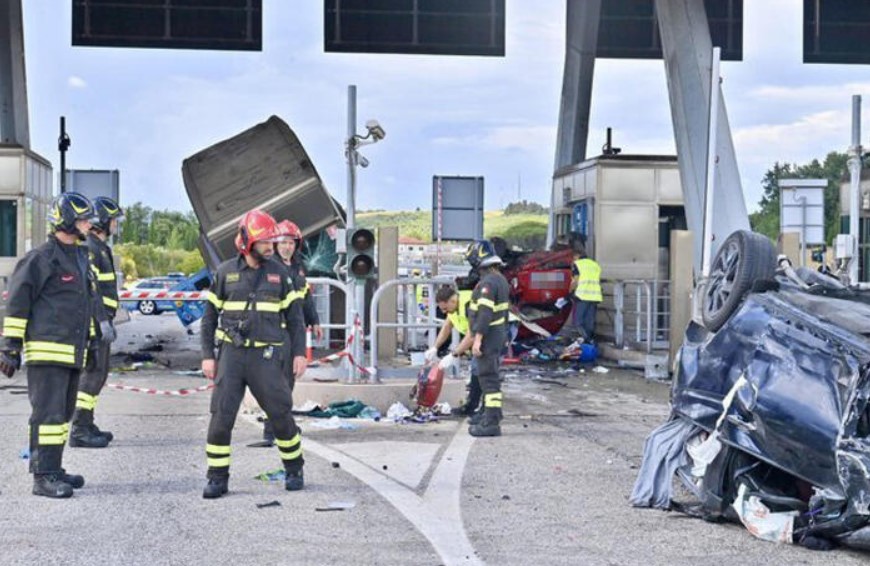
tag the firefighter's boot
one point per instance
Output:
(216, 487)
(293, 480)
(475, 417)
(51, 485)
(74, 480)
(488, 425)
(86, 437)
(107, 433)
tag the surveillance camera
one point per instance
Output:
(361, 160)
(375, 130)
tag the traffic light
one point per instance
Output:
(361, 253)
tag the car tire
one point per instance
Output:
(147, 307)
(743, 258)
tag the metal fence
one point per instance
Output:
(636, 313)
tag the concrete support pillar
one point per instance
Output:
(581, 39)
(687, 49)
(14, 125)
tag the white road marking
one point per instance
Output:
(437, 514)
(405, 462)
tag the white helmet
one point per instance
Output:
(491, 260)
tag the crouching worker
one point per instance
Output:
(455, 305)
(250, 311)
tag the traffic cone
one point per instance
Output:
(309, 350)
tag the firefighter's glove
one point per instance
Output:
(431, 355)
(446, 361)
(107, 332)
(10, 361)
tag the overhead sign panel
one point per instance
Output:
(457, 208)
(234, 25)
(837, 31)
(423, 27)
(628, 29)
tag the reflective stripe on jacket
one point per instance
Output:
(103, 266)
(275, 308)
(52, 298)
(588, 280)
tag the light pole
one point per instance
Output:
(355, 299)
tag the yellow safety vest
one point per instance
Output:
(458, 318)
(588, 280)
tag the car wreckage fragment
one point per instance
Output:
(770, 422)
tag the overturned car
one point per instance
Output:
(770, 422)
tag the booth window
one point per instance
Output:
(8, 228)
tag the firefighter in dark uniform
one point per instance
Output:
(49, 316)
(489, 307)
(84, 432)
(251, 308)
(288, 244)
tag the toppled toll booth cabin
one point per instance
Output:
(263, 167)
(770, 420)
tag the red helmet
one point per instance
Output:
(287, 229)
(255, 226)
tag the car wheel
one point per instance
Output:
(743, 258)
(147, 307)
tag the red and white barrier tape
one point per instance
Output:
(175, 393)
(131, 295)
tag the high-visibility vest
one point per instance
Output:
(459, 317)
(588, 280)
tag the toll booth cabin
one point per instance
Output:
(25, 195)
(624, 207)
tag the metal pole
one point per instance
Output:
(855, 194)
(711, 162)
(63, 143)
(351, 305)
(803, 231)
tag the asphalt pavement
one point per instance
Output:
(552, 490)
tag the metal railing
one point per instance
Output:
(412, 319)
(640, 312)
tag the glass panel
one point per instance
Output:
(8, 228)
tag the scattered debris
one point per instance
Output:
(337, 506)
(271, 476)
(334, 423)
(336, 465)
(274, 503)
(192, 372)
(397, 412)
(600, 369)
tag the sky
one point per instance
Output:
(143, 111)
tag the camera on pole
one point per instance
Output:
(361, 253)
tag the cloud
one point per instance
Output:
(77, 82)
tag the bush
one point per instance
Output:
(147, 260)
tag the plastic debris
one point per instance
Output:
(443, 408)
(334, 423)
(192, 372)
(370, 413)
(760, 521)
(600, 369)
(272, 475)
(398, 412)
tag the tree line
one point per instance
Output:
(155, 242)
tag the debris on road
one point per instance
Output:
(273, 503)
(337, 506)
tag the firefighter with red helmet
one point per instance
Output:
(287, 246)
(52, 305)
(84, 432)
(251, 308)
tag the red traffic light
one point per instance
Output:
(362, 240)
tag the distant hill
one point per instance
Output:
(528, 231)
